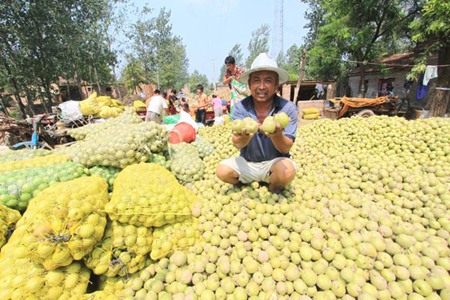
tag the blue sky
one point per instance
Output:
(210, 28)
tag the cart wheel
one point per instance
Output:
(365, 113)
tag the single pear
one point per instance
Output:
(237, 125)
(269, 125)
(250, 125)
(282, 119)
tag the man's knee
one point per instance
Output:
(226, 173)
(283, 171)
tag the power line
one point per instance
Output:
(371, 63)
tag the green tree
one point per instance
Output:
(134, 75)
(42, 42)
(431, 32)
(356, 30)
(162, 54)
(236, 52)
(197, 78)
(259, 43)
(292, 61)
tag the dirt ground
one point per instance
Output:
(302, 122)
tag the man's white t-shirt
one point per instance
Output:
(157, 104)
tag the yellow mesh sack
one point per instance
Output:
(99, 295)
(104, 101)
(122, 251)
(23, 279)
(310, 111)
(179, 236)
(32, 163)
(139, 105)
(90, 106)
(23, 154)
(116, 103)
(8, 217)
(63, 223)
(311, 117)
(149, 195)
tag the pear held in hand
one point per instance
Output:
(269, 125)
(250, 125)
(282, 119)
(237, 125)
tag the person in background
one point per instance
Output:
(216, 104)
(232, 71)
(156, 105)
(186, 117)
(173, 102)
(202, 105)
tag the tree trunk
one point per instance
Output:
(75, 75)
(16, 90)
(96, 80)
(21, 106)
(30, 102)
(116, 83)
(362, 79)
(300, 77)
(68, 89)
(3, 103)
(440, 99)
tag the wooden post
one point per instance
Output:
(300, 76)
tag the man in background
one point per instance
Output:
(216, 104)
(231, 77)
(232, 72)
(202, 105)
(156, 105)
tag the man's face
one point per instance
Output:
(199, 91)
(263, 85)
(230, 67)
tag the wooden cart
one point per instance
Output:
(364, 107)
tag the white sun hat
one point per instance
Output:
(265, 63)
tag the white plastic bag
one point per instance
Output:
(71, 110)
(219, 121)
(424, 114)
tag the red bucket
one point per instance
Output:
(182, 132)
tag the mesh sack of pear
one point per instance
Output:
(23, 154)
(90, 106)
(122, 251)
(8, 219)
(63, 223)
(203, 147)
(121, 146)
(17, 188)
(24, 279)
(171, 237)
(107, 173)
(149, 195)
(160, 159)
(33, 162)
(186, 164)
(129, 116)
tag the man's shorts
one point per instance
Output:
(253, 171)
(152, 116)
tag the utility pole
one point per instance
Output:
(300, 76)
(214, 75)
